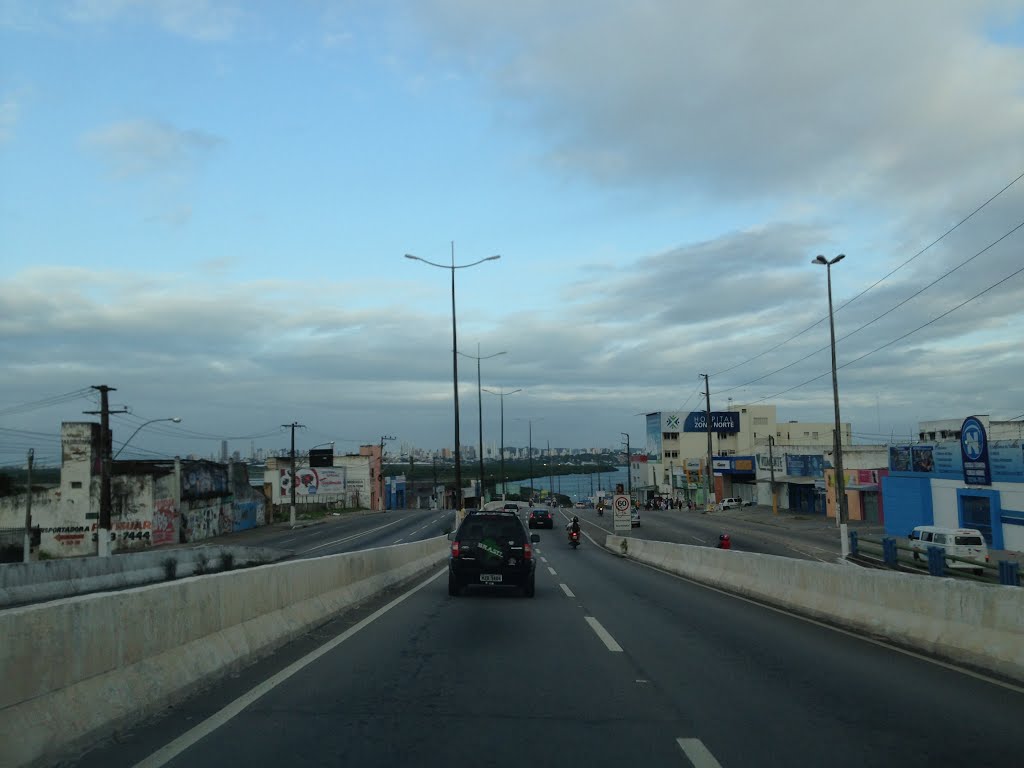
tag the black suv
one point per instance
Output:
(492, 549)
(541, 518)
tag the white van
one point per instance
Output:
(731, 503)
(960, 542)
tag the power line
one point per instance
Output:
(879, 317)
(898, 339)
(879, 281)
(46, 402)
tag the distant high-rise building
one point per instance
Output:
(224, 451)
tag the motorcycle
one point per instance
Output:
(600, 511)
(574, 539)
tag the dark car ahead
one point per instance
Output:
(492, 549)
(541, 518)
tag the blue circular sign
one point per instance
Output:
(972, 439)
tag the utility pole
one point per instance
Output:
(381, 473)
(293, 426)
(433, 490)
(629, 465)
(711, 472)
(103, 534)
(408, 490)
(27, 552)
(551, 474)
(531, 462)
(771, 464)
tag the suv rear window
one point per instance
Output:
(503, 528)
(970, 540)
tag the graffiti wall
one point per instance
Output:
(165, 522)
(244, 515)
(199, 520)
(203, 480)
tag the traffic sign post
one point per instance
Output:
(622, 511)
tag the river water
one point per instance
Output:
(576, 487)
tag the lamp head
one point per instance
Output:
(819, 259)
(176, 420)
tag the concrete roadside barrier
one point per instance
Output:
(23, 583)
(977, 625)
(79, 668)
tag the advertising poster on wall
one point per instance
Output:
(899, 458)
(922, 458)
(312, 481)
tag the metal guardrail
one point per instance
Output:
(937, 561)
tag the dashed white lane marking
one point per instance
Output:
(697, 753)
(397, 540)
(544, 559)
(602, 633)
(170, 751)
(552, 571)
(568, 592)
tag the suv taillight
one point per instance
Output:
(527, 551)
(455, 549)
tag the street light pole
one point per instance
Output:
(501, 394)
(480, 410)
(175, 419)
(530, 422)
(840, 479)
(455, 360)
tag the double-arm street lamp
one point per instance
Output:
(480, 411)
(502, 394)
(840, 479)
(455, 359)
(175, 419)
(530, 422)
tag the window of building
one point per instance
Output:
(669, 435)
(76, 483)
(760, 420)
(814, 435)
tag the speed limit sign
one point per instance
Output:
(622, 514)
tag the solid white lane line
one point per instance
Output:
(602, 633)
(552, 571)
(697, 753)
(397, 540)
(209, 725)
(568, 592)
(848, 633)
(349, 538)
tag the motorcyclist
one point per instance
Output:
(574, 526)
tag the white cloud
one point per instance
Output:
(135, 148)
(204, 20)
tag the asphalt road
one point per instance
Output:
(814, 539)
(611, 664)
(345, 533)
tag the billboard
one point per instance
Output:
(805, 465)
(312, 481)
(721, 421)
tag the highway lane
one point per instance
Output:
(346, 533)
(610, 663)
(693, 527)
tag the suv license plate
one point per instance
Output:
(493, 578)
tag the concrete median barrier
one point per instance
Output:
(78, 668)
(977, 625)
(23, 583)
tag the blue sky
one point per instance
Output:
(205, 204)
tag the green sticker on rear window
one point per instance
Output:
(490, 547)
